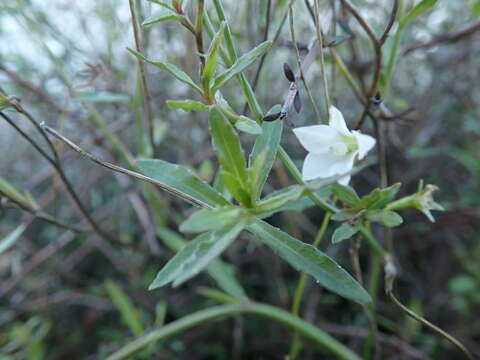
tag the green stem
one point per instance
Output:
(392, 59)
(433, 327)
(311, 332)
(257, 111)
(318, 27)
(300, 289)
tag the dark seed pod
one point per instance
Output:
(288, 72)
(272, 117)
(297, 102)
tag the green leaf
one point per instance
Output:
(236, 189)
(182, 179)
(212, 57)
(11, 192)
(267, 143)
(247, 125)
(307, 259)
(386, 217)
(423, 6)
(187, 105)
(346, 214)
(227, 146)
(102, 97)
(476, 9)
(130, 315)
(170, 68)
(163, 14)
(206, 219)
(241, 64)
(224, 275)
(346, 194)
(11, 238)
(221, 272)
(379, 198)
(279, 199)
(343, 232)
(196, 255)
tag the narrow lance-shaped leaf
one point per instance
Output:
(344, 232)
(345, 194)
(182, 179)
(279, 199)
(211, 219)
(227, 146)
(172, 69)
(241, 64)
(267, 143)
(311, 261)
(196, 255)
(386, 217)
(11, 238)
(163, 14)
(423, 6)
(223, 273)
(129, 313)
(11, 192)
(212, 57)
(247, 125)
(236, 189)
(187, 105)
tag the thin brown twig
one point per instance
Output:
(444, 38)
(121, 170)
(391, 21)
(55, 163)
(42, 215)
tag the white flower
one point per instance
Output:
(332, 149)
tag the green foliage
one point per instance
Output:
(221, 272)
(11, 238)
(181, 179)
(206, 219)
(263, 154)
(197, 255)
(187, 105)
(162, 14)
(419, 9)
(241, 64)
(307, 259)
(210, 66)
(170, 68)
(130, 315)
(344, 232)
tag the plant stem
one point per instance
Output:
(433, 327)
(143, 79)
(300, 68)
(318, 27)
(300, 289)
(223, 311)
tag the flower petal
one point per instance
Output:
(326, 165)
(337, 121)
(344, 180)
(317, 139)
(365, 143)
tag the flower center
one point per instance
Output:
(340, 148)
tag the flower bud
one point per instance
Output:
(422, 200)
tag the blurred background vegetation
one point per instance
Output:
(77, 295)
